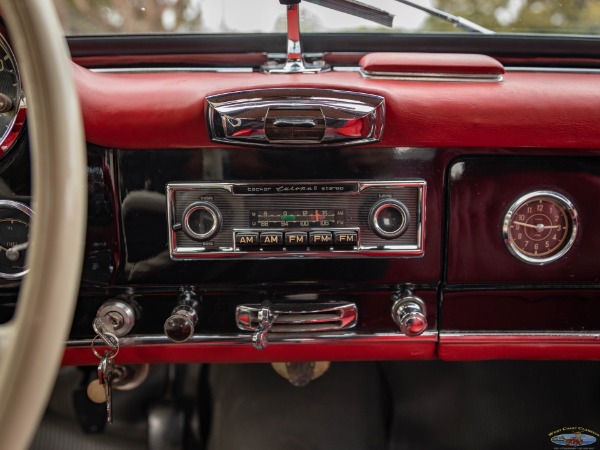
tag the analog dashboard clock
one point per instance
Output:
(540, 227)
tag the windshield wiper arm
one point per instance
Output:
(368, 12)
(457, 21)
(358, 9)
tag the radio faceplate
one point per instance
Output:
(352, 218)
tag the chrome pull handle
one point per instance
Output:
(300, 122)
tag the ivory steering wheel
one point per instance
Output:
(31, 344)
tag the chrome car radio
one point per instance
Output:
(380, 218)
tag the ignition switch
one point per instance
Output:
(119, 314)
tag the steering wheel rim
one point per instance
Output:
(33, 341)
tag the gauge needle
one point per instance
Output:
(13, 253)
(18, 247)
(539, 227)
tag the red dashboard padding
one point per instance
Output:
(167, 110)
(431, 63)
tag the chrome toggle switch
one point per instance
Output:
(266, 317)
(179, 327)
(409, 313)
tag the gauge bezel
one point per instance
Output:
(29, 212)
(10, 132)
(564, 203)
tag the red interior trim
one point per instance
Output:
(195, 353)
(166, 110)
(489, 347)
(434, 63)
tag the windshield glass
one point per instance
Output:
(85, 17)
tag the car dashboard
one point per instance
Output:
(435, 203)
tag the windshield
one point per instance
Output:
(85, 17)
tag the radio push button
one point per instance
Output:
(271, 239)
(246, 239)
(345, 239)
(320, 238)
(296, 238)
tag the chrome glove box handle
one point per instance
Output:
(295, 117)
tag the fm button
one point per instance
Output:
(345, 238)
(320, 238)
(296, 238)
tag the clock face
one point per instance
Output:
(540, 227)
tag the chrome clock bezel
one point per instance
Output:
(560, 199)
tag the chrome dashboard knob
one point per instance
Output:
(179, 327)
(410, 315)
(201, 221)
(389, 218)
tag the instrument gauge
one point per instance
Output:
(540, 227)
(11, 98)
(14, 239)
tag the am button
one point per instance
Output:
(271, 239)
(246, 239)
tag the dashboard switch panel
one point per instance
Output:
(322, 218)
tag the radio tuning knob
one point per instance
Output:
(389, 218)
(409, 313)
(201, 221)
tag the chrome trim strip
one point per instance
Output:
(336, 337)
(449, 337)
(430, 76)
(581, 70)
(173, 69)
(395, 76)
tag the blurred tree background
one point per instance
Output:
(128, 16)
(526, 16)
(145, 16)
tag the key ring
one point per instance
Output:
(114, 350)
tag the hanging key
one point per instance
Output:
(265, 318)
(105, 329)
(105, 378)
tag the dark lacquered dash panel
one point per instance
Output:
(144, 175)
(481, 192)
(522, 310)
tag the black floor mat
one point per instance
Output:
(417, 405)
